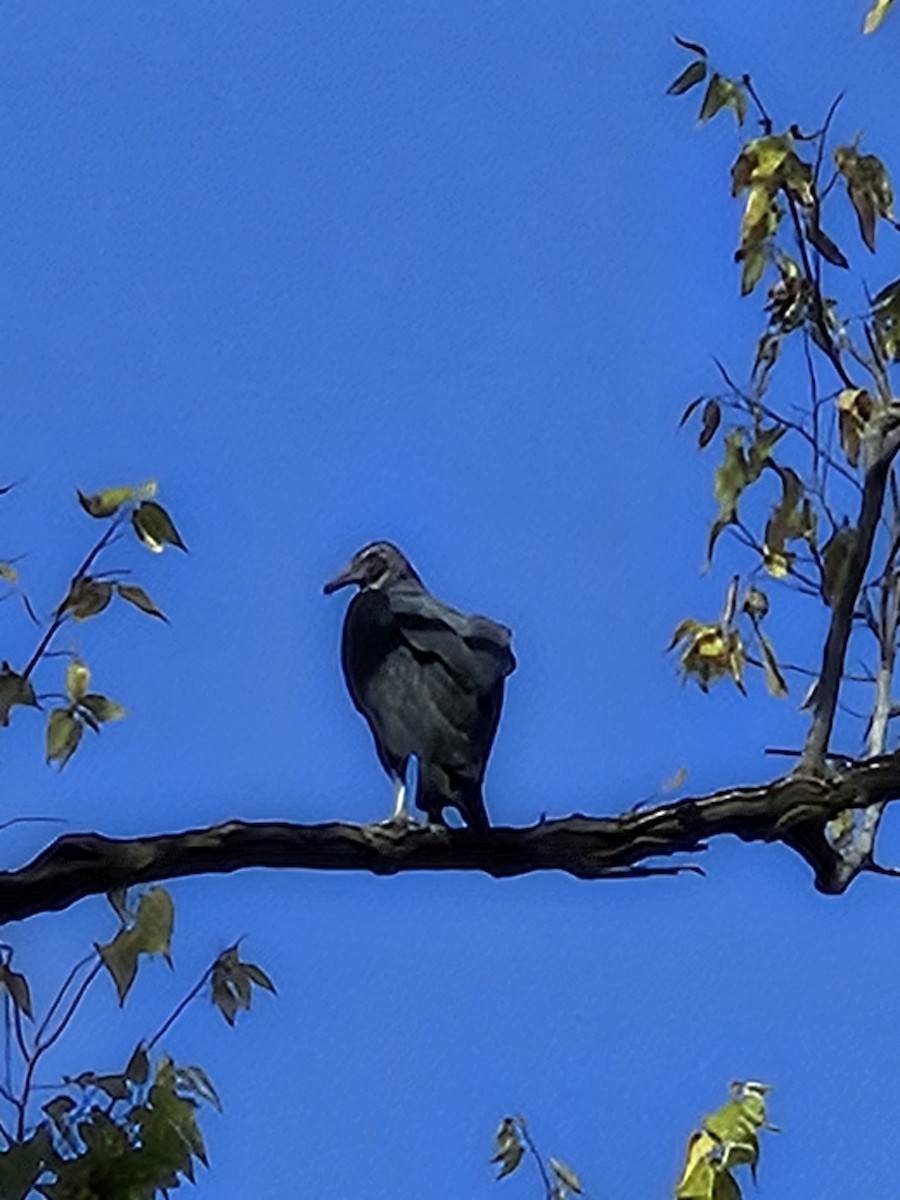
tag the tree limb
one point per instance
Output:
(792, 810)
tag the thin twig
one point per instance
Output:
(179, 1008)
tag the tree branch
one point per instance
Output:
(792, 810)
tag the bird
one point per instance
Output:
(429, 681)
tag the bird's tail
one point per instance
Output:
(437, 789)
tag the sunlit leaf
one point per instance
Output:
(106, 503)
(8, 573)
(876, 15)
(78, 676)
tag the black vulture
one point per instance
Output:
(427, 679)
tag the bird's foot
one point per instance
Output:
(399, 821)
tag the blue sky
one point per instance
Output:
(446, 274)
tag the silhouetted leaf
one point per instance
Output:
(155, 527)
(101, 708)
(825, 246)
(138, 1068)
(17, 985)
(692, 74)
(694, 47)
(87, 597)
(138, 597)
(64, 732)
(712, 417)
(14, 689)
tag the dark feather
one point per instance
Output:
(427, 678)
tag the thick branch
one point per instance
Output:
(835, 651)
(791, 810)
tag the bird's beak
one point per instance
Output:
(344, 579)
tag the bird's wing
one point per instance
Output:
(475, 650)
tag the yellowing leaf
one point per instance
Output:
(869, 189)
(566, 1176)
(855, 409)
(78, 676)
(105, 503)
(698, 1177)
(876, 15)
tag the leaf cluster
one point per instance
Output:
(728, 1139)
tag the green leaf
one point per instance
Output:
(692, 74)
(14, 689)
(150, 934)
(154, 923)
(101, 708)
(64, 732)
(106, 503)
(155, 527)
(138, 597)
(120, 957)
(22, 1164)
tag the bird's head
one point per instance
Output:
(376, 565)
